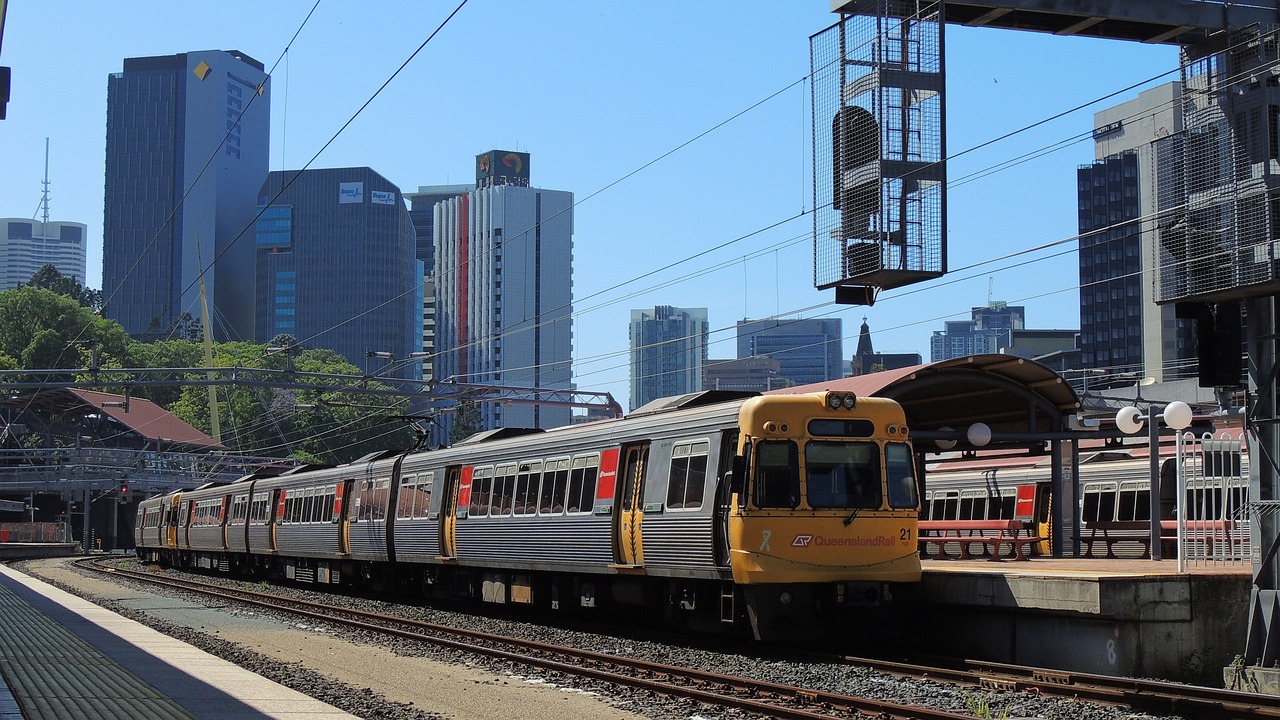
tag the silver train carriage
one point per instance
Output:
(1115, 489)
(764, 514)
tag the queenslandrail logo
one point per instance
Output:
(805, 541)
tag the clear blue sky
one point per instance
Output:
(594, 91)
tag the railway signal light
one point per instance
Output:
(123, 496)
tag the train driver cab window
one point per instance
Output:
(843, 474)
(777, 476)
(901, 468)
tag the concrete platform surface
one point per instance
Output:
(64, 657)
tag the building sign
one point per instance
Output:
(377, 197)
(351, 192)
(501, 167)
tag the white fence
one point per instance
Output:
(1213, 502)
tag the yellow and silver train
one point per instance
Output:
(771, 515)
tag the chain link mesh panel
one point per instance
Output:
(1218, 181)
(878, 149)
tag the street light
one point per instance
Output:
(1177, 415)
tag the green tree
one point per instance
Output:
(466, 422)
(41, 329)
(48, 278)
(164, 354)
(328, 427)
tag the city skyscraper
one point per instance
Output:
(504, 289)
(336, 266)
(988, 330)
(422, 211)
(187, 144)
(809, 350)
(27, 245)
(1122, 329)
(668, 352)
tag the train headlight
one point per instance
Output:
(784, 597)
(849, 401)
(833, 401)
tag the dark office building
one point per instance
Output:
(809, 350)
(1122, 328)
(187, 144)
(336, 267)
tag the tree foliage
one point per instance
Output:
(327, 427)
(48, 278)
(41, 329)
(466, 422)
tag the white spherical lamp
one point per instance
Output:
(945, 444)
(1127, 420)
(1177, 415)
(978, 435)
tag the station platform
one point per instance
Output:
(64, 657)
(1139, 618)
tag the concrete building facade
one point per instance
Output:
(1122, 329)
(504, 292)
(28, 245)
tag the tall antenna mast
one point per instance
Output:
(44, 199)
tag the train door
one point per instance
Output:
(628, 548)
(449, 511)
(277, 514)
(185, 510)
(171, 522)
(342, 514)
(724, 497)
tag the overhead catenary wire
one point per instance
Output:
(705, 252)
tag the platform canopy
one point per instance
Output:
(141, 419)
(1011, 395)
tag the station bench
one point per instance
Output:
(965, 533)
(1110, 532)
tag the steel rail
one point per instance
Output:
(769, 699)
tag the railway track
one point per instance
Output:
(1192, 701)
(749, 695)
(746, 695)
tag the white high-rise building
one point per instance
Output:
(27, 245)
(504, 289)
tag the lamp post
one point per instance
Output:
(1177, 415)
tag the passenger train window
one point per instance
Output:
(1133, 502)
(408, 492)
(688, 475)
(901, 468)
(481, 491)
(329, 510)
(777, 474)
(555, 481)
(504, 483)
(581, 497)
(527, 476)
(422, 501)
(944, 505)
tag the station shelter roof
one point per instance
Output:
(1011, 395)
(141, 417)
